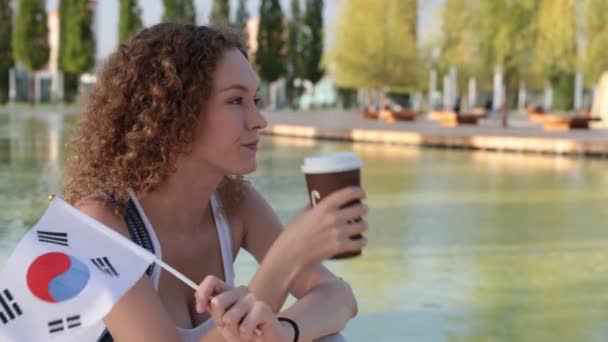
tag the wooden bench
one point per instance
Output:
(453, 119)
(369, 114)
(401, 115)
(552, 122)
(536, 117)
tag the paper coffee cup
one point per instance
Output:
(327, 173)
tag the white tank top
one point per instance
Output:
(223, 232)
(93, 333)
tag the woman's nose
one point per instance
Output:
(257, 120)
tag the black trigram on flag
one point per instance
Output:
(9, 310)
(104, 265)
(61, 324)
(53, 237)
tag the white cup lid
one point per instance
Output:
(332, 162)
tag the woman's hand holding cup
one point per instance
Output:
(326, 230)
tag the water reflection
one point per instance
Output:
(470, 246)
(30, 169)
(464, 246)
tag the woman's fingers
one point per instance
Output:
(353, 229)
(342, 197)
(222, 302)
(208, 288)
(237, 313)
(256, 317)
(351, 245)
(351, 213)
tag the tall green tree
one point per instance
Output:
(595, 60)
(220, 13)
(376, 46)
(30, 38)
(181, 11)
(294, 51)
(555, 53)
(130, 19)
(6, 48)
(242, 15)
(312, 45)
(506, 38)
(556, 35)
(270, 57)
(76, 42)
(459, 40)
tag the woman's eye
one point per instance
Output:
(257, 101)
(237, 101)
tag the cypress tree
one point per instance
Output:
(220, 13)
(312, 49)
(241, 15)
(270, 58)
(130, 19)
(294, 50)
(31, 46)
(76, 43)
(6, 49)
(180, 11)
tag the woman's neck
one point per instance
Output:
(182, 201)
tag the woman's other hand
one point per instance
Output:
(238, 314)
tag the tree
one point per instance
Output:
(312, 44)
(76, 42)
(6, 48)
(505, 38)
(270, 57)
(181, 11)
(294, 50)
(220, 13)
(555, 48)
(242, 15)
(459, 40)
(30, 37)
(555, 53)
(376, 46)
(130, 19)
(595, 61)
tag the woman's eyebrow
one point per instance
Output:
(238, 87)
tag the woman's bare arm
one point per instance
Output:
(325, 303)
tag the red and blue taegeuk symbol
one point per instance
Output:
(56, 277)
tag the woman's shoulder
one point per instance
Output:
(104, 211)
(255, 211)
(251, 202)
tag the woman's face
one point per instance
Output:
(228, 132)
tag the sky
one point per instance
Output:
(106, 21)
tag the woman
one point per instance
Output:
(158, 155)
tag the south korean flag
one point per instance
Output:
(64, 276)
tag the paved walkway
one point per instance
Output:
(521, 136)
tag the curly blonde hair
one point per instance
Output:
(143, 111)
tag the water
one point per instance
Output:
(463, 246)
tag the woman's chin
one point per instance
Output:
(247, 169)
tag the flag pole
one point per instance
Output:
(176, 273)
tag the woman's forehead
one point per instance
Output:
(234, 69)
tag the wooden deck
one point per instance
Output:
(521, 136)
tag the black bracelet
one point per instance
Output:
(294, 325)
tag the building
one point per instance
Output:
(251, 30)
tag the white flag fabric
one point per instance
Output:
(64, 276)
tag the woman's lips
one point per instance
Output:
(252, 146)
